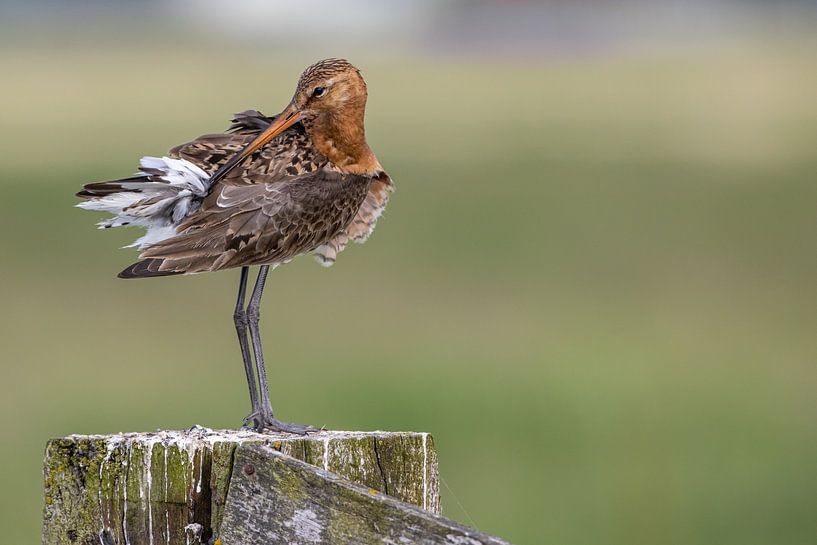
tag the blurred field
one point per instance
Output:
(595, 284)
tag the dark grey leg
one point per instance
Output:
(241, 324)
(266, 419)
(253, 315)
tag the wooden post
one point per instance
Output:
(172, 488)
(275, 498)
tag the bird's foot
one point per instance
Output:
(249, 421)
(263, 421)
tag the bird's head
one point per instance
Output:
(330, 93)
(330, 101)
(331, 87)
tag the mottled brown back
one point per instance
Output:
(284, 200)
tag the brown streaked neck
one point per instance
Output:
(341, 137)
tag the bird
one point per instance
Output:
(260, 193)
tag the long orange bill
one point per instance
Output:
(283, 121)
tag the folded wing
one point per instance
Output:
(259, 224)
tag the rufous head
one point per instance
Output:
(330, 101)
(330, 87)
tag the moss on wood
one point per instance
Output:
(278, 499)
(171, 487)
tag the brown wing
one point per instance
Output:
(268, 223)
(288, 156)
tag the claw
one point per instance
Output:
(251, 421)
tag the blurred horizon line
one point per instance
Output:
(484, 29)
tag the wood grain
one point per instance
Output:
(171, 487)
(278, 499)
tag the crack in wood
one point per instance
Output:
(128, 447)
(380, 466)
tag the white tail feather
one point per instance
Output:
(172, 189)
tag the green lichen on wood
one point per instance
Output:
(71, 473)
(151, 486)
(221, 469)
(407, 452)
(360, 457)
(314, 452)
(432, 480)
(283, 500)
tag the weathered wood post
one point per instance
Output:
(240, 488)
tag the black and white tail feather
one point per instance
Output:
(159, 198)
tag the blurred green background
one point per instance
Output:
(595, 283)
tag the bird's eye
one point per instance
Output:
(318, 91)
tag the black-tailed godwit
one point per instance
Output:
(261, 193)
